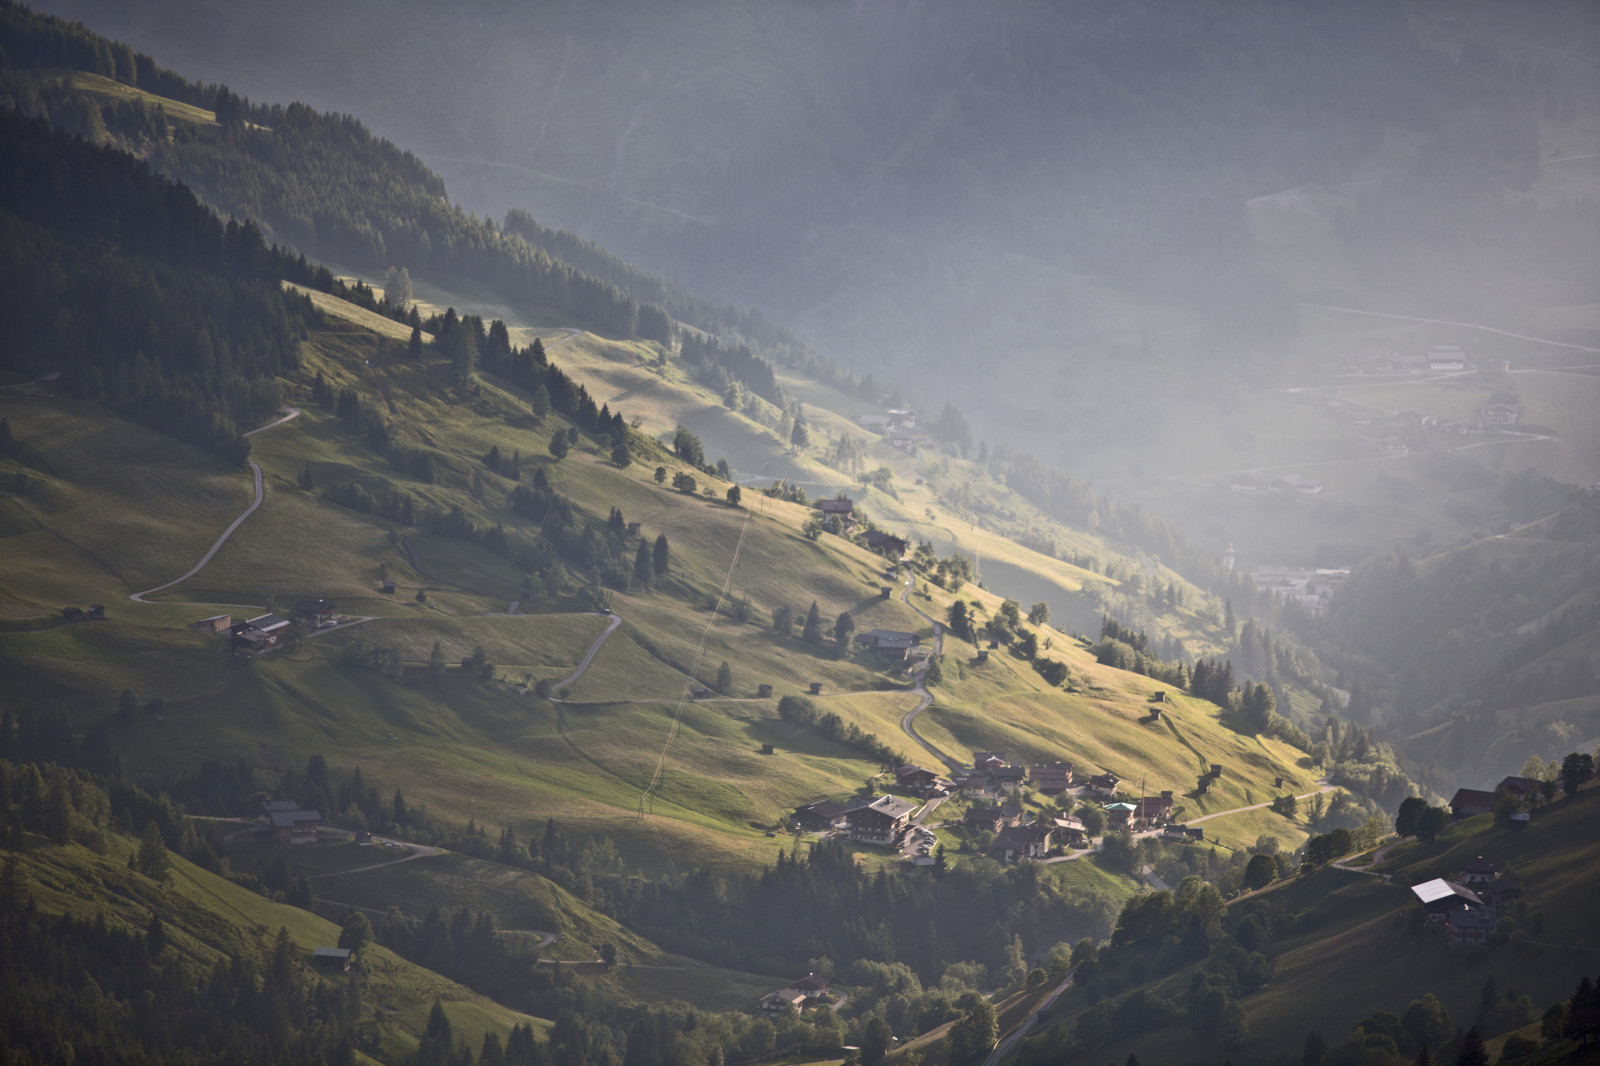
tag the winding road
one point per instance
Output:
(919, 686)
(261, 493)
(588, 656)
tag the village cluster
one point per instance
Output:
(894, 821)
(250, 637)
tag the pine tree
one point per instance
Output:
(151, 858)
(843, 627)
(643, 571)
(540, 403)
(436, 661)
(811, 633)
(559, 445)
(1229, 622)
(1472, 1053)
(724, 678)
(661, 556)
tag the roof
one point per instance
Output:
(791, 996)
(290, 819)
(1105, 780)
(1069, 823)
(1439, 888)
(1520, 784)
(913, 768)
(1120, 807)
(884, 634)
(1480, 865)
(1472, 797)
(889, 806)
(811, 983)
(312, 606)
(1022, 836)
(822, 809)
(279, 805)
(835, 506)
(267, 622)
(1466, 919)
(330, 953)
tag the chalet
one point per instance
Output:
(1119, 814)
(872, 638)
(270, 624)
(893, 647)
(1051, 778)
(1105, 784)
(1478, 870)
(1468, 928)
(823, 814)
(1296, 483)
(919, 778)
(313, 614)
(887, 543)
(251, 641)
(1070, 831)
(883, 820)
(1446, 358)
(1018, 842)
(813, 986)
(1008, 779)
(1153, 810)
(1470, 801)
(885, 591)
(971, 782)
(781, 1000)
(274, 806)
(845, 509)
(1521, 787)
(763, 691)
(1497, 414)
(1500, 892)
(981, 816)
(294, 827)
(217, 623)
(1174, 831)
(816, 688)
(333, 960)
(988, 760)
(1439, 897)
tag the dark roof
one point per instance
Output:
(889, 806)
(1105, 780)
(279, 805)
(835, 506)
(821, 809)
(290, 819)
(1022, 836)
(266, 622)
(330, 953)
(1480, 865)
(1472, 797)
(1009, 773)
(912, 768)
(1523, 785)
(811, 983)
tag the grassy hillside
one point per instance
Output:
(1346, 951)
(210, 920)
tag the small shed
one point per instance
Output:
(698, 693)
(1216, 769)
(816, 688)
(633, 529)
(97, 611)
(766, 749)
(885, 591)
(387, 588)
(1158, 697)
(983, 655)
(994, 643)
(763, 691)
(1277, 782)
(1155, 714)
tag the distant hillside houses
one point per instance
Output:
(1312, 589)
(1495, 415)
(1256, 485)
(1466, 910)
(1446, 359)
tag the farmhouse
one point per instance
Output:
(1008, 779)
(981, 816)
(1119, 814)
(1479, 870)
(1497, 414)
(294, 827)
(988, 760)
(217, 623)
(1071, 831)
(1051, 778)
(845, 509)
(887, 543)
(917, 778)
(1521, 787)
(1153, 810)
(1466, 928)
(1105, 784)
(1019, 842)
(1470, 801)
(781, 1000)
(822, 814)
(883, 820)
(1439, 897)
(313, 614)
(1295, 483)
(1446, 358)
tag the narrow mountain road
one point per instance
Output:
(1444, 322)
(1003, 1048)
(588, 657)
(1255, 806)
(919, 686)
(413, 851)
(261, 493)
(1377, 857)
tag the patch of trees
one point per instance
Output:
(797, 710)
(139, 295)
(719, 364)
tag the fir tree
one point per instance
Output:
(661, 556)
(811, 633)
